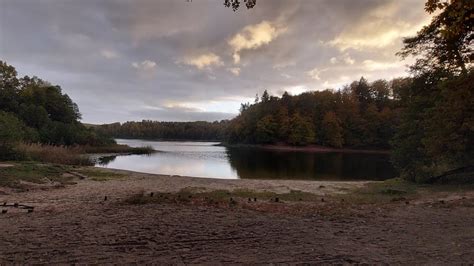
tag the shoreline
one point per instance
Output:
(276, 147)
(97, 181)
(309, 148)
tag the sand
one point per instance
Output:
(73, 224)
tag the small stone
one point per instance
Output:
(322, 199)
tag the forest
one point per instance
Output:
(360, 115)
(146, 129)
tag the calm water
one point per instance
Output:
(203, 159)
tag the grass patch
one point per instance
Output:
(100, 175)
(219, 196)
(34, 173)
(398, 189)
(395, 189)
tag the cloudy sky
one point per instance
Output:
(177, 60)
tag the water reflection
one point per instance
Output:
(252, 163)
(105, 160)
(204, 159)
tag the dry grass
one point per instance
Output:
(72, 155)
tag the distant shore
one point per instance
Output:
(278, 147)
(309, 148)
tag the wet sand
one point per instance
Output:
(74, 224)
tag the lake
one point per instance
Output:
(205, 159)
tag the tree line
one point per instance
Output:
(147, 129)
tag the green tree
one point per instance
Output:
(34, 116)
(447, 42)
(267, 130)
(436, 130)
(332, 130)
(449, 137)
(362, 93)
(8, 88)
(381, 93)
(44, 111)
(283, 120)
(11, 132)
(301, 131)
(265, 96)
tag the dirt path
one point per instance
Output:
(75, 225)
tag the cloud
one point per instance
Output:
(285, 75)
(284, 65)
(78, 46)
(234, 70)
(145, 65)
(295, 90)
(346, 58)
(371, 65)
(204, 61)
(109, 54)
(253, 37)
(314, 73)
(379, 28)
(145, 68)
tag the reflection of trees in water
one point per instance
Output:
(265, 164)
(105, 160)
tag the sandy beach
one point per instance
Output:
(76, 224)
